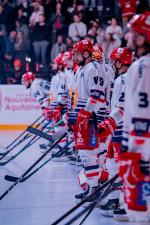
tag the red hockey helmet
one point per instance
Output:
(59, 59)
(124, 55)
(141, 24)
(97, 53)
(28, 76)
(82, 46)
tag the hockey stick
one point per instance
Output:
(25, 138)
(13, 142)
(20, 141)
(88, 213)
(94, 194)
(110, 188)
(106, 192)
(31, 167)
(82, 212)
(32, 141)
(58, 154)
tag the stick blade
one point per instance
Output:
(11, 178)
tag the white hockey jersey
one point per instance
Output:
(91, 84)
(59, 91)
(110, 73)
(40, 89)
(117, 106)
(137, 107)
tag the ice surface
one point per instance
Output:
(44, 197)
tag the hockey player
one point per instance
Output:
(97, 58)
(59, 105)
(39, 88)
(91, 86)
(134, 163)
(122, 58)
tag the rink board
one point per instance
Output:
(17, 108)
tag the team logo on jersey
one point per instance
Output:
(79, 138)
(141, 126)
(143, 192)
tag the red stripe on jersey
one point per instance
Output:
(139, 142)
(98, 100)
(133, 133)
(92, 174)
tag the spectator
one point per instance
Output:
(9, 53)
(15, 75)
(77, 29)
(35, 16)
(20, 26)
(20, 16)
(71, 10)
(81, 11)
(40, 40)
(114, 29)
(8, 16)
(69, 43)
(21, 47)
(96, 32)
(58, 47)
(47, 9)
(57, 22)
(109, 44)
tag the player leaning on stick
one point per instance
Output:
(39, 88)
(90, 91)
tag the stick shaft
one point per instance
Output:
(30, 168)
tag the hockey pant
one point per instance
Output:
(112, 166)
(90, 162)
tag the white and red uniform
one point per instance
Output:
(117, 113)
(110, 87)
(60, 101)
(40, 90)
(59, 91)
(137, 136)
(91, 85)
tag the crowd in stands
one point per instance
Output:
(33, 32)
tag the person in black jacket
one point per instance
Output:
(40, 40)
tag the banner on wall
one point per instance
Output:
(17, 108)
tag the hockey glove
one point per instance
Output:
(106, 127)
(57, 113)
(47, 113)
(85, 135)
(136, 184)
